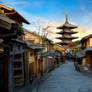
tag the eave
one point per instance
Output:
(62, 43)
(66, 32)
(67, 25)
(67, 38)
(13, 12)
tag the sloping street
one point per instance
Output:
(46, 45)
(66, 79)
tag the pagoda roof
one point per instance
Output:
(63, 32)
(72, 44)
(67, 38)
(62, 43)
(67, 25)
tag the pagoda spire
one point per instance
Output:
(66, 16)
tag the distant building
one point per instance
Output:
(84, 56)
(86, 43)
(66, 32)
(37, 39)
(32, 37)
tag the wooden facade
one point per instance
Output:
(32, 37)
(5, 35)
(33, 59)
(86, 41)
(89, 58)
(86, 44)
(18, 57)
(48, 63)
(10, 29)
(4, 60)
(12, 14)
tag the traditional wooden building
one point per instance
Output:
(86, 43)
(32, 37)
(10, 28)
(48, 63)
(79, 61)
(15, 16)
(83, 57)
(66, 32)
(35, 42)
(7, 31)
(4, 56)
(36, 39)
(33, 59)
(59, 48)
(18, 58)
(49, 45)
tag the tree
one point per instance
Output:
(42, 28)
(77, 42)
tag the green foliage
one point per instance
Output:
(77, 42)
(76, 50)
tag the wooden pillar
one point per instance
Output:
(91, 59)
(6, 62)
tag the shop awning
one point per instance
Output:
(34, 46)
(80, 55)
(88, 49)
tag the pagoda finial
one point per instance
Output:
(66, 16)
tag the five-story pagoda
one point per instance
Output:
(66, 32)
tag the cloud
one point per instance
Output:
(43, 23)
(83, 30)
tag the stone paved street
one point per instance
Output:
(65, 79)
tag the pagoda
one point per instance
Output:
(66, 32)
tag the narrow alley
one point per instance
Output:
(66, 79)
(45, 45)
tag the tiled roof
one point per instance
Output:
(72, 44)
(88, 49)
(15, 12)
(80, 55)
(52, 52)
(29, 45)
(86, 37)
(67, 25)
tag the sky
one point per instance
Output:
(52, 12)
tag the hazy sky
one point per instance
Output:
(79, 11)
